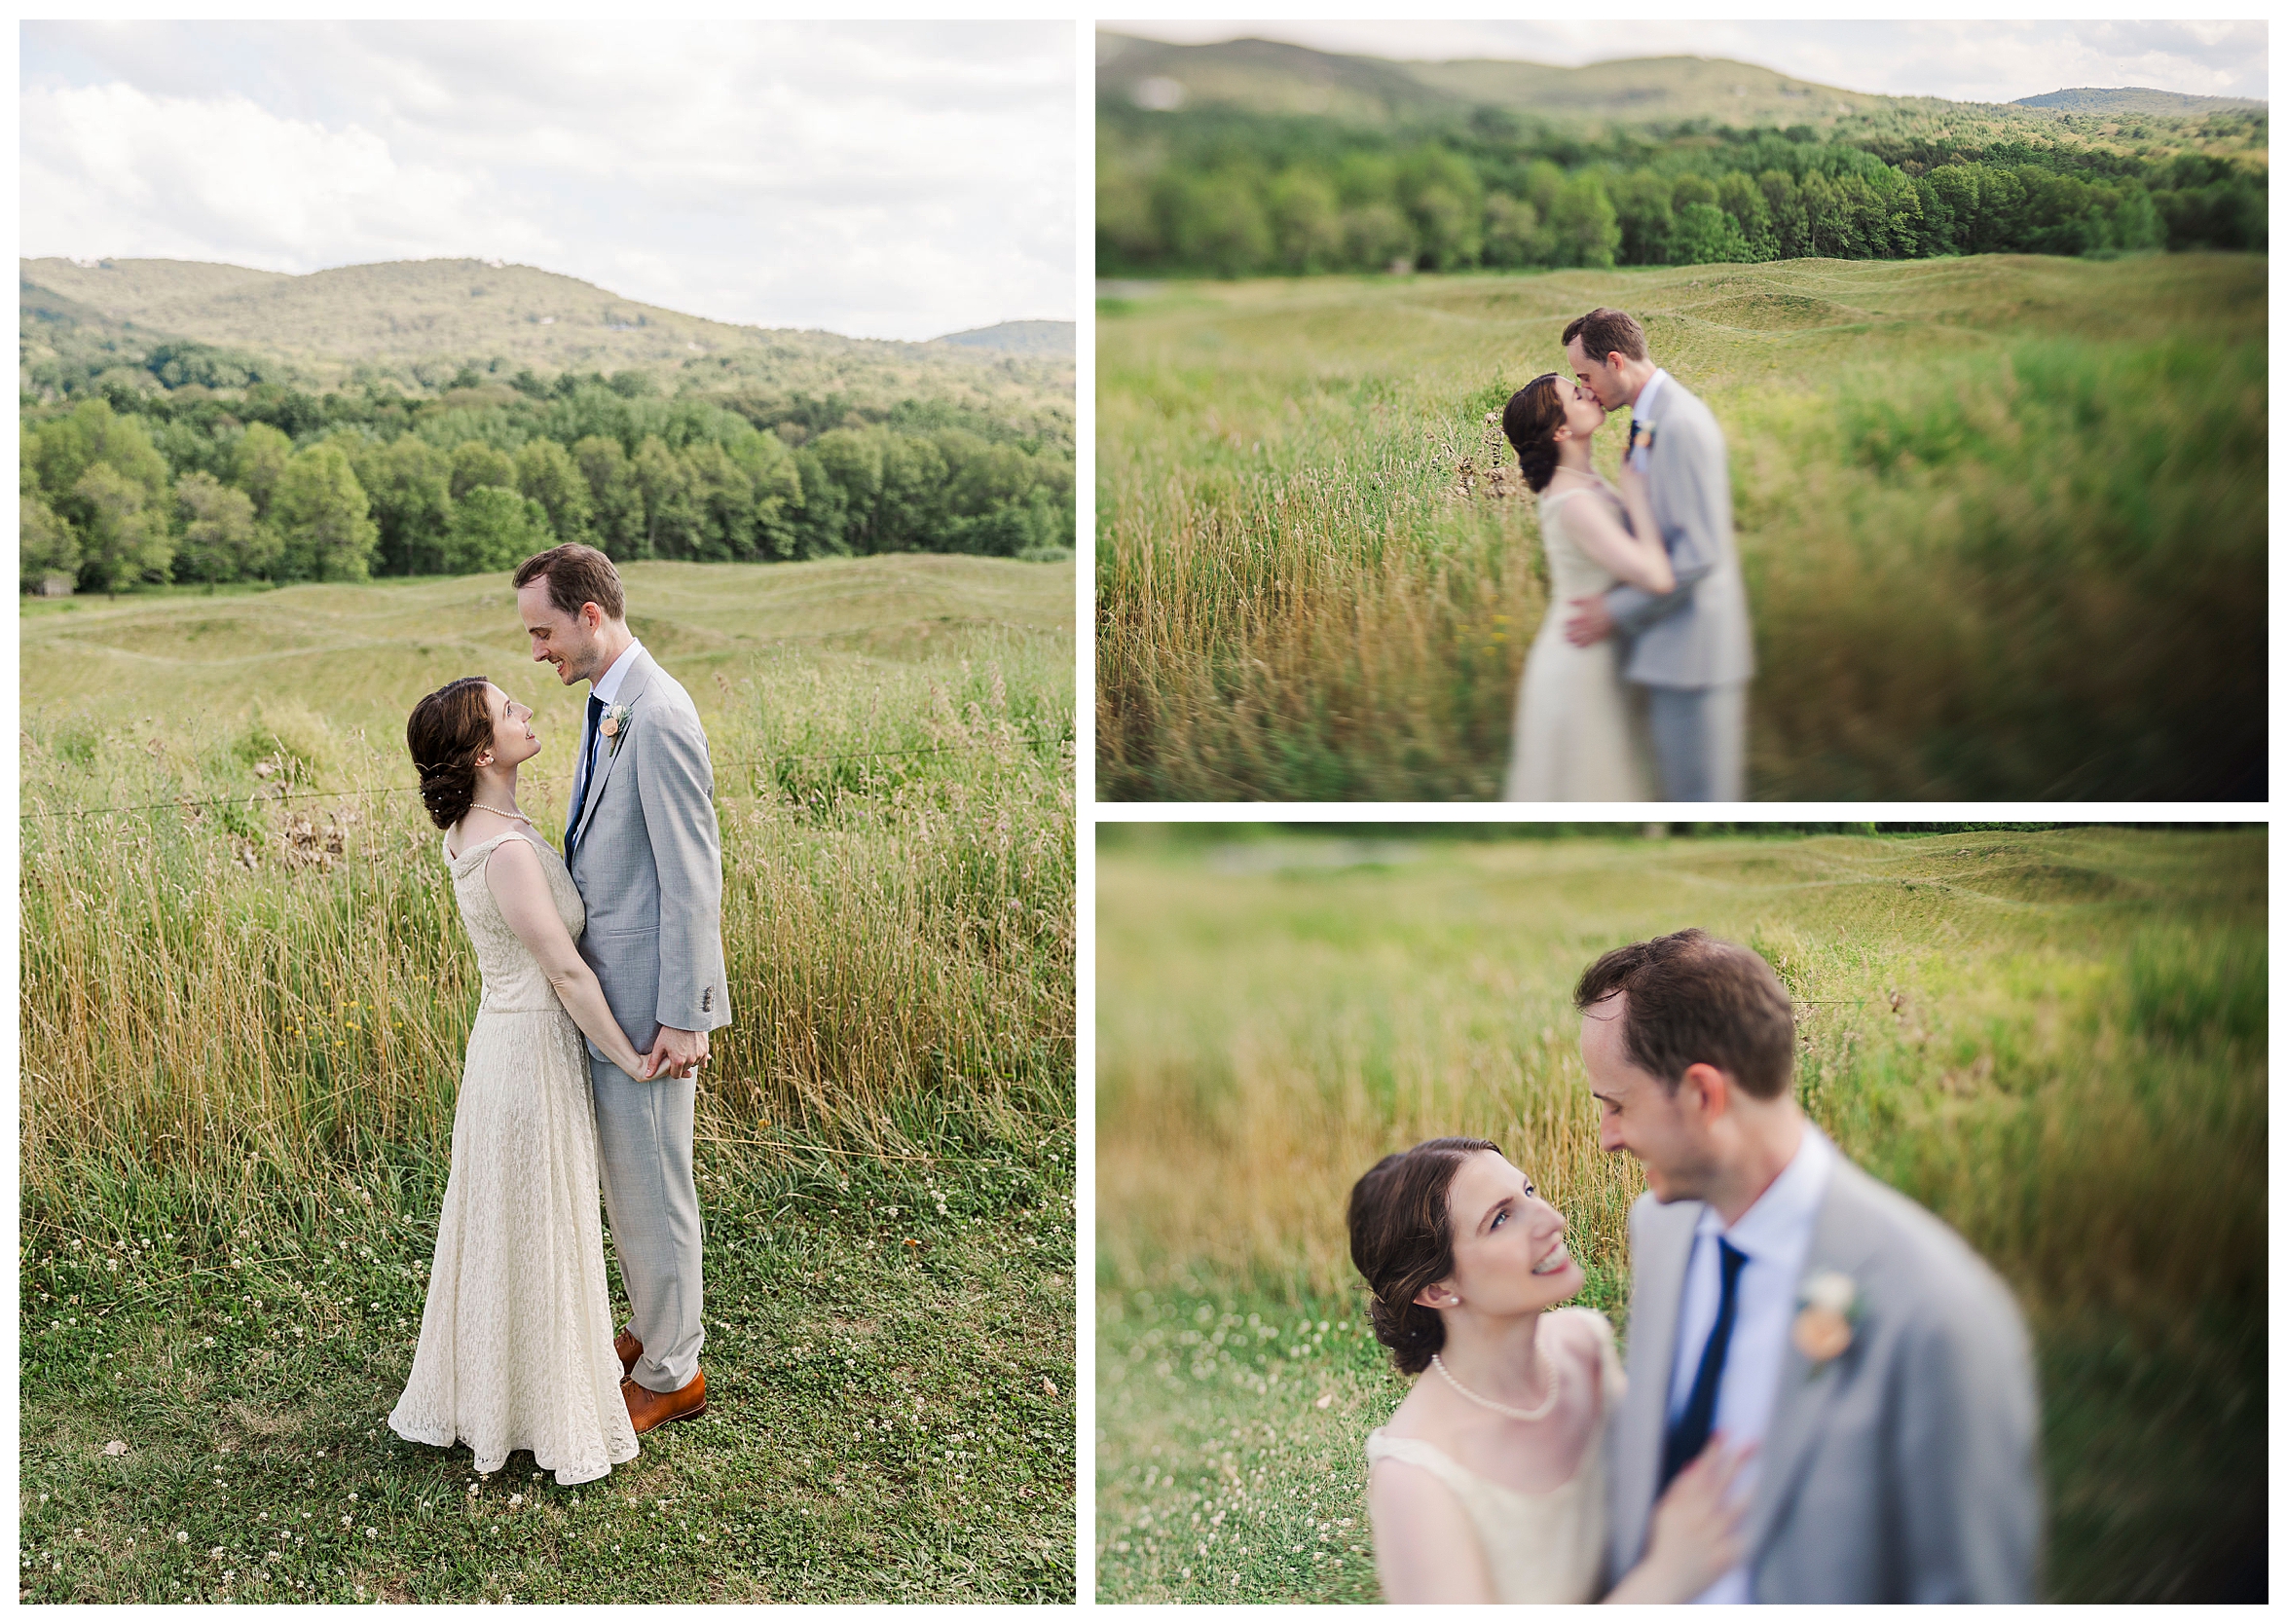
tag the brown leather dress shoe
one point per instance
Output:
(647, 1409)
(629, 1351)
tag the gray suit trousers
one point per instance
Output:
(1700, 741)
(644, 1130)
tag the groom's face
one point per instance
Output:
(1638, 1113)
(1599, 379)
(568, 641)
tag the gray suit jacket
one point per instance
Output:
(1697, 636)
(648, 859)
(1902, 1470)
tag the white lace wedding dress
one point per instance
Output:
(1577, 734)
(1546, 1547)
(515, 1347)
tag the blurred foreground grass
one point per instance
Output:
(2054, 1040)
(2002, 520)
(245, 997)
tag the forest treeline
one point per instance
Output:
(1226, 193)
(277, 484)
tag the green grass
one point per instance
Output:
(243, 1016)
(886, 1422)
(2055, 1040)
(1955, 481)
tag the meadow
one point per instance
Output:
(2002, 520)
(245, 991)
(2054, 1039)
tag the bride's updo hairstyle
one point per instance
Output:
(446, 733)
(1534, 414)
(1402, 1239)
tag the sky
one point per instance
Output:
(881, 181)
(1962, 61)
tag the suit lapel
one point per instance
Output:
(1842, 1238)
(1655, 1301)
(630, 689)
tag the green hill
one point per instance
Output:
(419, 322)
(1265, 76)
(2130, 99)
(1017, 338)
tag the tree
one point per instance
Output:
(44, 545)
(222, 540)
(410, 485)
(546, 473)
(1641, 207)
(1582, 225)
(1704, 235)
(256, 462)
(1741, 197)
(322, 518)
(1513, 231)
(1445, 204)
(475, 463)
(1214, 221)
(493, 529)
(852, 459)
(125, 538)
(672, 521)
(1790, 230)
(1306, 221)
(615, 501)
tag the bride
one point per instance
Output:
(516, 1338)
(1487, 1482)
(1576, 736)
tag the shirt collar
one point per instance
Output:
(1645, 396)
(606, 686)
(1789, 1205)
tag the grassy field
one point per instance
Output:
(245, 992)
(2055, 1041)
(2002, 520)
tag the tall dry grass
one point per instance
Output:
(223, 1001)
(2001, 520)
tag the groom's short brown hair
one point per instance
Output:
(1602, 331)
(576, 575)
(1694, 1000)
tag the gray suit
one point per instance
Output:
(1690, 648)
(648, 859)
(1902, 1470)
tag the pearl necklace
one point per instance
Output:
(1548, 1377)
(504, 811)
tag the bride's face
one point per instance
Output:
(514, 738)
(1509, 1250)
(1582, 413)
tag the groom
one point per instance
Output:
(1784, 1298)
(1688, 649)
(643, 850)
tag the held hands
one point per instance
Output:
(675, 1054)
(1696, 1526)
(1591, 622)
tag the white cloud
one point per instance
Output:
(896, 180)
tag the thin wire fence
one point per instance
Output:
(261, 797)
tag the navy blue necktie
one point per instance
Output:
(1689, 1435)
(587, 753)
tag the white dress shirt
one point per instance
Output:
(1641, 412)
(607, 688)
(1775, 1233)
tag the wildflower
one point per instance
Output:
(182, 1536)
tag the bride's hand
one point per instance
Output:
(1696, 1526)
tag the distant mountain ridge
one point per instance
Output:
(424, 319)
(1019, 338)
(1270, 75)
(2131, 100)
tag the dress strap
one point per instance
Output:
(484, 846)
(1418, 1451)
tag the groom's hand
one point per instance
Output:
(1591, 622)
(675, 1053)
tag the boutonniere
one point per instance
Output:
(615, 726)
(1641, 433)
(1827, 1307)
